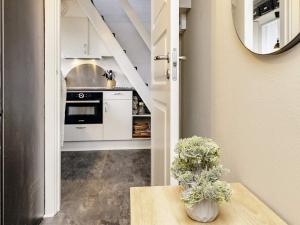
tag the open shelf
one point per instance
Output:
(141, 123)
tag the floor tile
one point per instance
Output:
(95, 186)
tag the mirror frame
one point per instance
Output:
(290, 45)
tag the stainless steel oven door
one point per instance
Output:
(84, 112)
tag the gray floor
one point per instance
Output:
(95, 186)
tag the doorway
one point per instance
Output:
(81, 167)
(55, 108)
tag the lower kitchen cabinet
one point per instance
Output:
(83, 132)
(117, 115)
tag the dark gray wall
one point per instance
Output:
(23, 111)
(1, 159)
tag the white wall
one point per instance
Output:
(248, 104)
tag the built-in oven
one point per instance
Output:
(84, 108)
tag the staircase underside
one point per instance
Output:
(116, 50)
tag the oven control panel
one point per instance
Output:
(79, 96)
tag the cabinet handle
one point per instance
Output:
(80, 128)
(105, 107)
(85, 49)
(117, 93)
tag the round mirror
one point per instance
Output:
(267, 26)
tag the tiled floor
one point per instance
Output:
(95, 186)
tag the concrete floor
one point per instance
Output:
(95, 186)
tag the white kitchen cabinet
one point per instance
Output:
(117, 115)
(83, 132)
(97, 48)
(80, 39)
(75, 37)
(117, 95)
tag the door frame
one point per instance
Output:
(175, 84)
(52, 108)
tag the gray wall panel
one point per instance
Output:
(23, 112)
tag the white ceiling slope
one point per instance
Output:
(112, 11)
(127, 34)
(117, 51)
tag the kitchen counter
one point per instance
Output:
(99, 89)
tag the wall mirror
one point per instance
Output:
(267, 26)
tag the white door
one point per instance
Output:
(164, 88)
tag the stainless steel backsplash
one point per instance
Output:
(86, 75)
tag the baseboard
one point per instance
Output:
(107, 145)
(48, 216)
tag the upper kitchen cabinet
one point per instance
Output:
(97, 48)
(80, 40)
(74, 37)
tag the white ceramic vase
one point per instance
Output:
(204, 212)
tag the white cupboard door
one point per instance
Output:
(83, 132)
(117, 119)
(97, 48)
(75, 37)
(164, 88)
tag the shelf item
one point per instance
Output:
(142, 136)
(135, 104)
(137, 137)
(138, 106)
(141, 109)
(141, 128)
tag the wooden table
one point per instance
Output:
(162, 206)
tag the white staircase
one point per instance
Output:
(130, 23)
(116, 50)
(135, 20)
